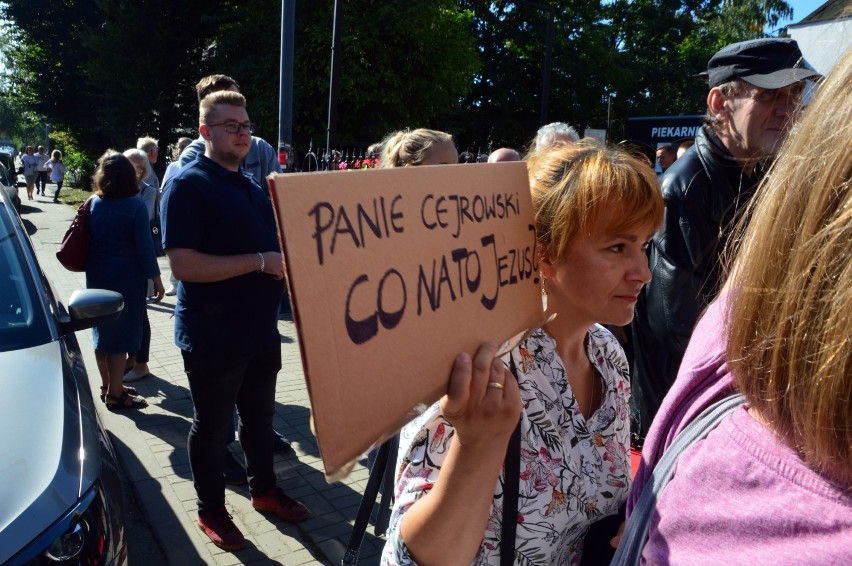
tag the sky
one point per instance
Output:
(801, 9)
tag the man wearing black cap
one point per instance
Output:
(755, 92)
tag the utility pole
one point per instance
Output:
(334, 81)
(548, 64)
(285, 98)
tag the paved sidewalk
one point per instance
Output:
(151, 443)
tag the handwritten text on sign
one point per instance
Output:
(392, 273)
(456, 272)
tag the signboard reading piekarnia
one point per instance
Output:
(392, 273)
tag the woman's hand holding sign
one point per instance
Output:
(483, 402)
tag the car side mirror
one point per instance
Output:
(91, 307)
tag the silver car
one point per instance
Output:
(9, 182)
(60, 490)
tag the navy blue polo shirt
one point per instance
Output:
(214, 211)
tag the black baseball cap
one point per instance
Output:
(768, 63)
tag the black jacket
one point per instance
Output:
(705, 191)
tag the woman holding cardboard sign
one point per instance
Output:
(596, 208)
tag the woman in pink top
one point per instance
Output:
(772, 484)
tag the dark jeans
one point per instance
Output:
(41, 181)
(58, 188)
(217, 382)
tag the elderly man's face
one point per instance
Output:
(760, 119)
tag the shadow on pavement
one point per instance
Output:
(143, 509)
(334, 506)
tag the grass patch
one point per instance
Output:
(73, 197)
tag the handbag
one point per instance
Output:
(74, 249)
(156, 235)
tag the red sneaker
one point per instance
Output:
(220, 527)
(276, 501)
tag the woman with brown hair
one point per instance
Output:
(595, 207)
(772, 483)
(121, 258)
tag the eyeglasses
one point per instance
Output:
(234, 127)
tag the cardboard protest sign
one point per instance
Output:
(392, 273)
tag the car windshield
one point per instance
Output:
(22, 320)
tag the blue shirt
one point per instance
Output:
(262, 159)
(214, 211)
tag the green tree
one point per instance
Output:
(505, 106)
(404, 64)
(107, 72)
(666, 44)
(104, 72)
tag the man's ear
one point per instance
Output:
(716, 102)
(204, 130)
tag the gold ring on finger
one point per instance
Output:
(495, 385)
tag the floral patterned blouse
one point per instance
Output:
(574, 471)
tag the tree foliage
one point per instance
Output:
(105, 72)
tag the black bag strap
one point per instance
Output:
(511, 485)
(636, 530)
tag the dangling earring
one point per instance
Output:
(543, 285)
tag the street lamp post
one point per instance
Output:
(285, 98)
(334, 86)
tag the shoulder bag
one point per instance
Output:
(156, 235)
(74, 250)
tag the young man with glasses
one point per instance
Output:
(261, 160)
(221, 240)
(755, 94)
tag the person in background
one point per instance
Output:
(136, 365)
(57, 171)
(666, 155)
(152, 151)
(29, 162)
(504, 154)
(121, 258)
(684, 147)
(226, 317)
(772, 484)
(755, 94)
(41, 172)
(595, 208)
(467, 157)
(171, 169)
(552, 134)
(260, 161)
(422, 146)
(174, 164)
